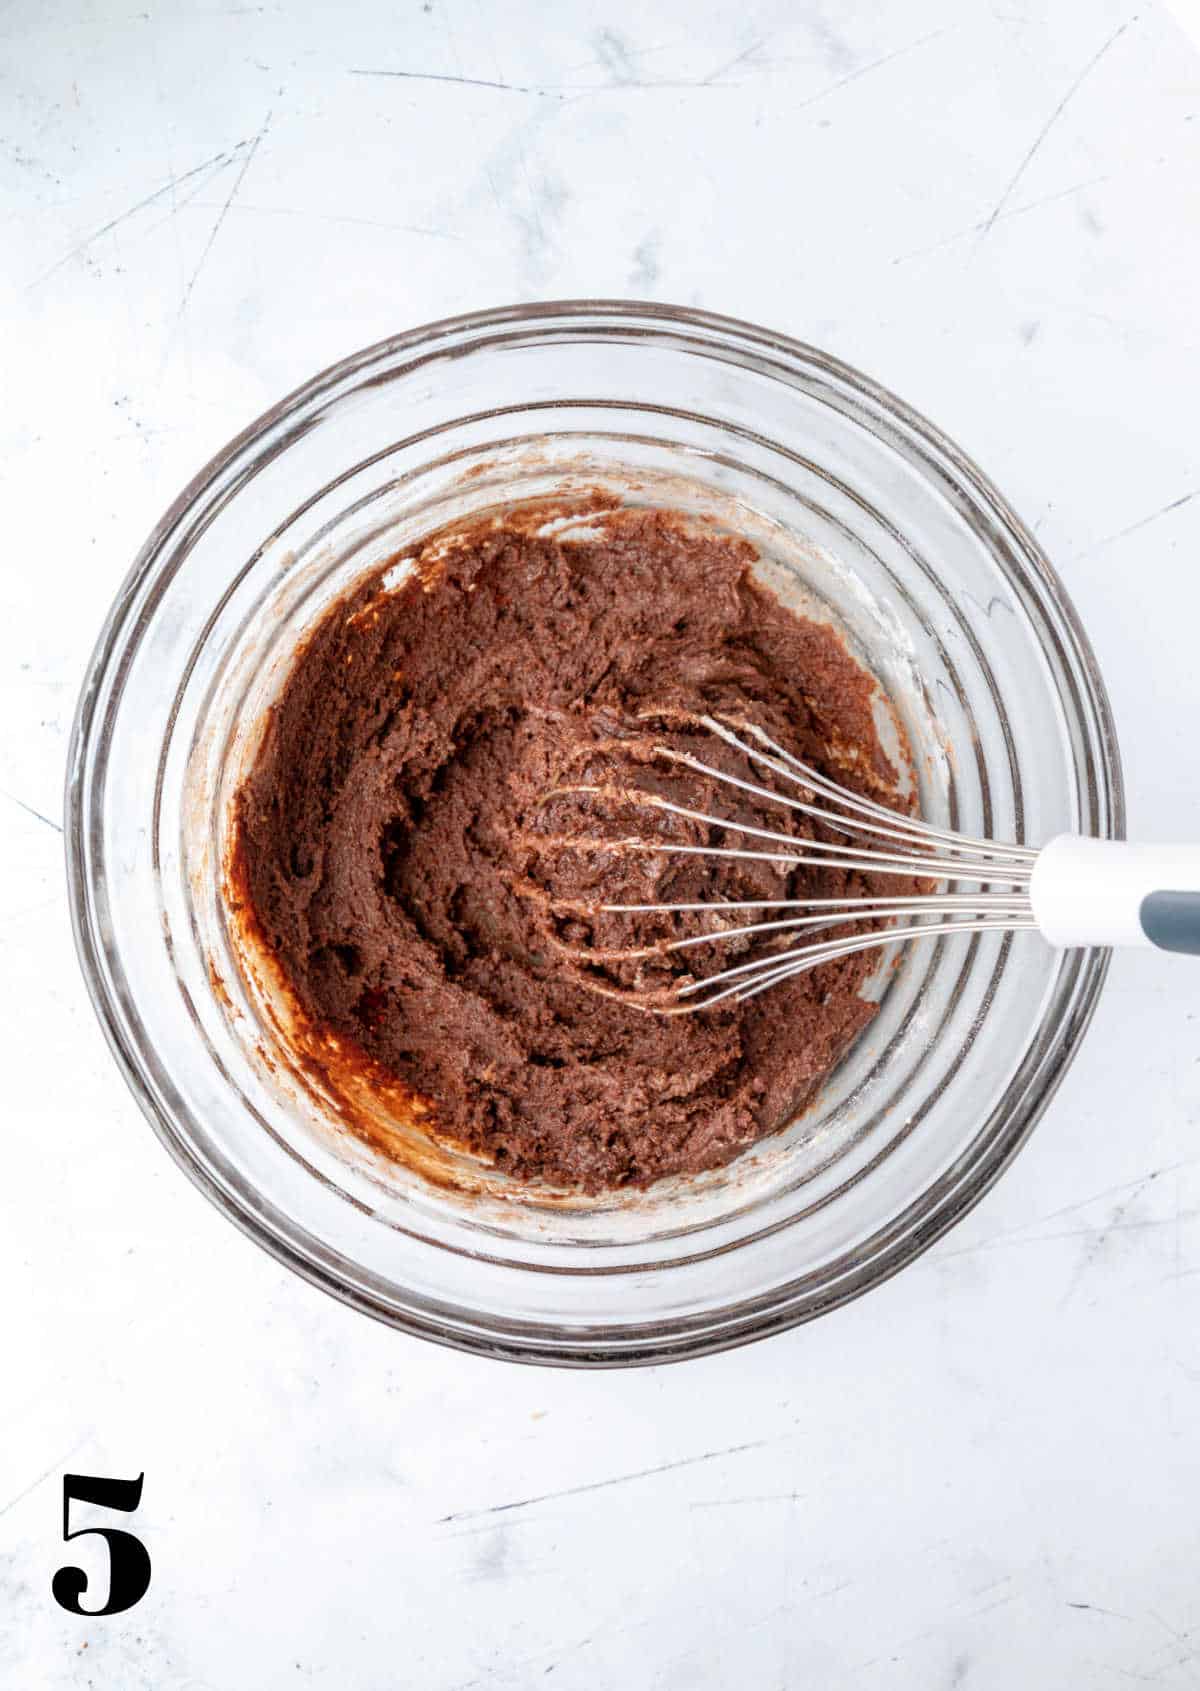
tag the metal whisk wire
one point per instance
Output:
(919, 851)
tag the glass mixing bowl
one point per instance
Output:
(865, 516)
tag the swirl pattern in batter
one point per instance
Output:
(404, 863)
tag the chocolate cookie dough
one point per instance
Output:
(419, 873)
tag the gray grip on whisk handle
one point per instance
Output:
(1108, 892)
(1171, 920)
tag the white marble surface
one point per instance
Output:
(984, 1475)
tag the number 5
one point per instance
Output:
(129, 1560)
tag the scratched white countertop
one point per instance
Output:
(985, 1474)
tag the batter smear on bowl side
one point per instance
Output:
(418, 877)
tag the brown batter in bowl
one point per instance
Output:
(398, 841)
(867, 520)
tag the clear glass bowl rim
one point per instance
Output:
(736, 337)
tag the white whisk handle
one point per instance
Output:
(1107, 892)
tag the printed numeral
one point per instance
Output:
(128, 1558)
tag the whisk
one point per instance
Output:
(1074, 891)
